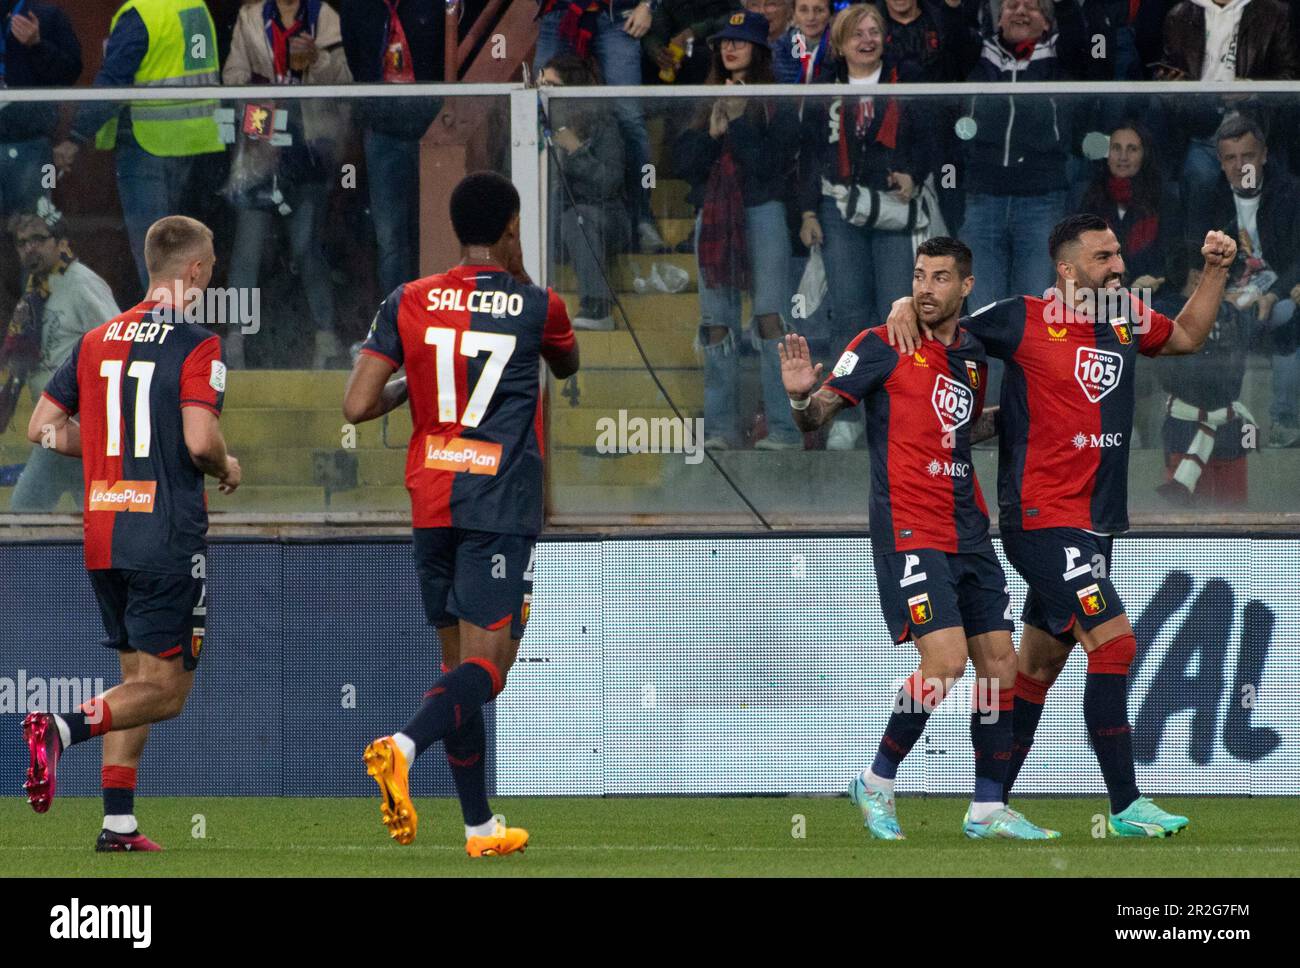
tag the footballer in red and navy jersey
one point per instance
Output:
(1065, 422)
(472, 341)
(139, 400)
(939, 579)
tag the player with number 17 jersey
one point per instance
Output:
(470, 339)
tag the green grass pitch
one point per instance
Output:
(675, 837)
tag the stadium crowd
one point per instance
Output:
(855, 181)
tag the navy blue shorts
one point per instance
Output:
(1067, 570)
(925, 590)
(479, 577)
(164, 615)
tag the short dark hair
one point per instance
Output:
(1238, 125)
(1070, 228)
(574, 71)
(941, 245)
(482, 205)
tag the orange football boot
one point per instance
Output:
(504, 840)
(385, 762)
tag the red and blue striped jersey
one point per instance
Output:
(472, 340)
(920, 408)
(1067, 408)
(128, 380)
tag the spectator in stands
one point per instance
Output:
(37, 49)
(1016, 148)
(857, 148)
(737, 155)
(801, 55)
(594, 223)
(683, 24)
(151, 43)
(1258, 203)
(394, 42)
(779, 14)
(1223, 40)
(293, 42)
(1203, 432)
(62, 301)
(1130, 195)
(926, 35)
(1210, 40)
(609, 31)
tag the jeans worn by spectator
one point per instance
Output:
(866, 269)
(1201, 176)
(1008, 234)
(606, 230)
(768, 243)
(619, 57)
(1286, 371)
(150, 188)
(43, 480)
(305, 223)
(21, 164)
(393, 171)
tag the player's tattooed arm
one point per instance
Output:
(370, 394)
(985, 426)
(1196, 320)
(822, 408)
(800, 376)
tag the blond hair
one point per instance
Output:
(174, 241)
(846, 22)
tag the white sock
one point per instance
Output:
(979, 812)
(877, 782)
(406, 745)
(486, 829)
(121, 823)
(65, 734)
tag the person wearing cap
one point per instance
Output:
(63, 299)
(738, 154)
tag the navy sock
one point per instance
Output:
(1105, 712)
(93, 718)
(1026, 711)
(466, 755)
(906, 724)
(118, 784)
(991, 737)
(453, 701)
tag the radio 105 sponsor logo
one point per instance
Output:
(1098, 371)
(953, 403)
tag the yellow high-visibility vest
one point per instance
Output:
(182, 53)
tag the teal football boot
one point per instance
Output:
(1005, 824)
(1142, 818)
(877, 808)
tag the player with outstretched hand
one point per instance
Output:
(148, 386)
(940, 582)
(1065, 424)
(472, 340)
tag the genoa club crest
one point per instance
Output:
(1091, 599)
(919, 607)
(973, 373)
(1123, 331)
